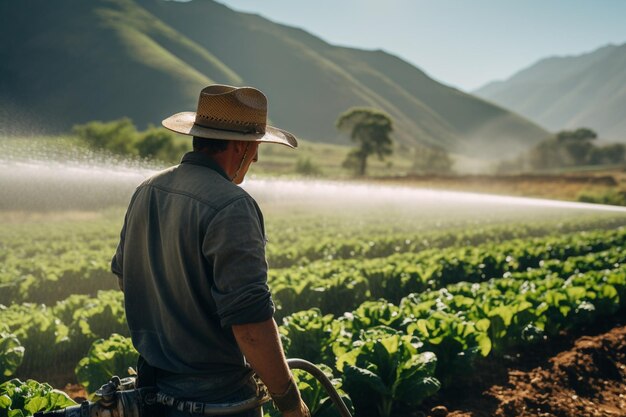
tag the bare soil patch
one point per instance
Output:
(587, 378)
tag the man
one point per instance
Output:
(191, 262)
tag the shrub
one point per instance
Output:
(611, 196)
(118, 136)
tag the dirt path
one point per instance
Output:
(586, 379)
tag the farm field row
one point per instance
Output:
(45, 262)
(412, 321)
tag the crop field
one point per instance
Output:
(398, 294)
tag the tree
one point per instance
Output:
(580, 134)
(370, 128)
(577, 144)
(432, 160)
(568, 148)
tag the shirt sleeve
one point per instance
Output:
(235, 246)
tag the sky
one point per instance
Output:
(461, 43)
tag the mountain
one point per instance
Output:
(570, 92)
(75, 61)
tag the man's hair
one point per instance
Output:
(211, 146)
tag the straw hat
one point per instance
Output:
(230, 113)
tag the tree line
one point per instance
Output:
(371, 131)
(369, 128)
(567, 148)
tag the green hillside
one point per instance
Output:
(75, 61)
(570, 92)
(103, 59)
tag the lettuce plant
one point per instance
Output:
(106, 358)
(21, 399)
(386, 374)
(11, 353)
(457, 342)
(310, 335)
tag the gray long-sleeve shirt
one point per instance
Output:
(192, 260)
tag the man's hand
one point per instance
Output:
(260, 344)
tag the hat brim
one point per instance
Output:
(185, 123)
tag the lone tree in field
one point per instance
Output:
(370, 128)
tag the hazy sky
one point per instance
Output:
(463, 43)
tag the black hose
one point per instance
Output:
(328, 386)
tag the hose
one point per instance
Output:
(328, 386)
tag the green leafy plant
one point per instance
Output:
(310, 335)
(40, 333)
(457, 342)
(21, 399)
(105, 359)
(11, 353)
(388, 373)
(377, 313)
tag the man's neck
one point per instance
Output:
(225, 160)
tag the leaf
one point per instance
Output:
(484, 344)
(482, 325)
(363, 380)
(414, 390)
(503, 312)
(348, 358)
(423, 364)
(37, 404)
(5, 401)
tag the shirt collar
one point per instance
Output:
(199, 158)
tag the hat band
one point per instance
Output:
(240, 126)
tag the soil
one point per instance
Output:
(76, 392)
(583, 376)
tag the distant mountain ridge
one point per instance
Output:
(76, 61)
(569, 92)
